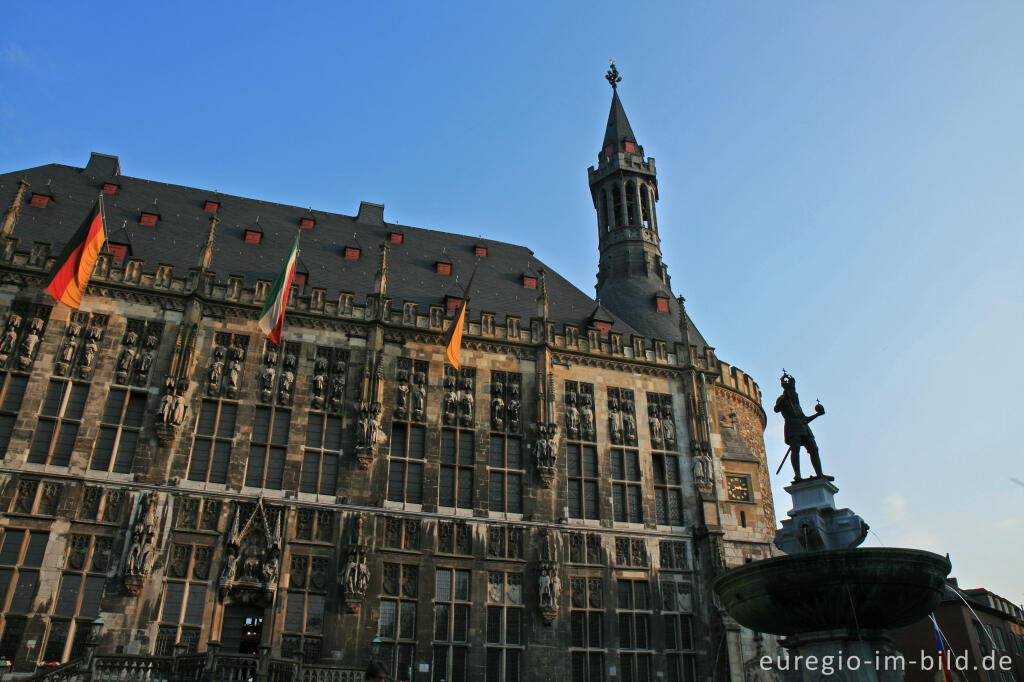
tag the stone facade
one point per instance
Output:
(555, 509)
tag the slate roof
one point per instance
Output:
(618, 129)
(183, 226)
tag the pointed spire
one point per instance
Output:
(14, 210)
(207, 253)
(618, 130)
(542, 300)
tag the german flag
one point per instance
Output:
(74, 265)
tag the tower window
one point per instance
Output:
(211, 206)
(631, 218)
(617, 206)
(662, 303)
(352, 253)
(630, 147)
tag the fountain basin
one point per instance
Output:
(865, 588)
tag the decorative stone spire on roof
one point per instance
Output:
(14, 210)
(207, 253)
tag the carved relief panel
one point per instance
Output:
(506, 402)
(277, 375)
(621, 416)
(579, 411)
(459, 402)
(23, 331)
(138, 351)
(330, 377)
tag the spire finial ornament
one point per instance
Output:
(613, 76)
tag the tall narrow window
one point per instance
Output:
(504, 626)
(677, 611)
(645, 206)
(665, 460)
(12, 390)
(581, 450)
(211, 449)
(59, 421)
(617, 219)
(631, 218)
(324, 425)
(405, 473)
(78, 596)
(586, 616)
(451, 625)
(304, 612)
(634, 615)
(396, 626)
(506, 466)
(119, 431)
(268, 448)
(181, 615)
(457, 456)
(21, 555)
(626, 485)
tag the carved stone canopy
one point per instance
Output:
(252, 557)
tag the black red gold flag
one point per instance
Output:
(74, 265)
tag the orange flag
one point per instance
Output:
(74, 265)
(453, 337)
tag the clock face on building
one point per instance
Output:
(739, 488)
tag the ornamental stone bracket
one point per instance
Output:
(545, 453)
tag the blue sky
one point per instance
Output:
(841, 184)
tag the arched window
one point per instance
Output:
(645, 206)
(631, 218)
(617, 206)
(602, 212)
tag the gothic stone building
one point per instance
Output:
(554, 509)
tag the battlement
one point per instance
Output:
(736, 379)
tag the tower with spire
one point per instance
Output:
(632, 280)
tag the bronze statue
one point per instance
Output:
(797, 433)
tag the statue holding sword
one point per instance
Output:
(797, 433)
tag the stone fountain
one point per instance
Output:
(833, 602)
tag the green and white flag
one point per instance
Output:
(272, 315)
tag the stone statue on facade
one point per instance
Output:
(141, 543)
(513, 408)
(235, 370)
(30, 343)
(127, 357)
(402, 395)
(145, 361)
(628, 424)
(546, 452)
(419, 397)
(92, 347)
(703, 475)
(338, 385)
(319, 383)
(572, 416)
(548, 582)
(796, 431)
(614, 421)
(668, 427)
(355, 576)
(287, 382)
(497, 408)
(654, 421)
(216, 371)
(10, 337)
(466, 402)
(451, 402)
(587, 418)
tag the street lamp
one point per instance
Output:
(376, 647)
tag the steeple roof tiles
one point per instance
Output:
(179, 236)
(618, 130)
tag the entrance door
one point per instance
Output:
(242, 629)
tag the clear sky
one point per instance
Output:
(841, 184)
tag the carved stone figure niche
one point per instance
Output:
(330, 377)
(280, 364)
(224, 375)
(579, 412)
(411, 390)
(252, 555)
(459, 402)
(137, 352)
(506, 407)
(621, 416)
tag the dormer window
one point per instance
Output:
(452, 303)
(253, 235)
(211, 206)
(396, 237)
(120, 252)
(529, 282)
(604, 327)
(39, 200)
(630, 147)
(110, 188)
(299, 280)
(443, 268)
(661, 303)
(149, 219)
(352, 252)
(307, 223)
(480, 251)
